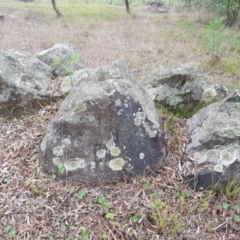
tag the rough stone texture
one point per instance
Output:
(117, 70)
(214, 93)
(105, 129)
(155, 3)
(23, 82)
(63, 57)
(215, 142)
(176, 86)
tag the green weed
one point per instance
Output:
(85, 234)
(81, 194)
(164, 218)
(213, 34)
(231, 189)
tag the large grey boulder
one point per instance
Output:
(116, 70)
(63, 57)
(105, 129)
(176, 86)
(214, 143)
(23, 82)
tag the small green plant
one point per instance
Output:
(225, 205)
(61, 170)
(236, 218)
(145, 186)
(213, 34)
(109, 216)
(162, 215)
(81, 194)
(237, 208)
(206, 198)
(232, 189)
(134, 219)
(11, 234)
(6, 180)
(67, 66)
(72, 227)
(35, 189)
(85, 234)
(104, 204)
(104, 235)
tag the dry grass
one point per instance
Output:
(154, 206)
(36, 206)
(105, 33)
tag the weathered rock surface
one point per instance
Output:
(214, 143)
(23, 82)
(214, 93)
(63, 57)
(116, 70)
(105, 129)
(176, 86)
(155, 3)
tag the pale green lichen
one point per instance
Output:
(151, 133)
(117, 164)
(218, 168)
(58, 151)
(212, 155)
(74, 163)
(226, 158)
(140, 116)
(101, 153)
(115, 151)
(57, 162)
(66, 141)
(199, 157)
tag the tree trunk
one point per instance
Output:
(59, 14)
(127, 6)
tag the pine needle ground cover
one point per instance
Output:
(154, 206)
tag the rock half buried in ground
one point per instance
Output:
(176, 86)
(214, 143)
(103, 131)
(24, 82)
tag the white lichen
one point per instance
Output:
(218, 168)
(141, 155)
(101, 153)
(74, 164)
(110, 144)
(118, 103)
(58, 151)
(93, 165)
